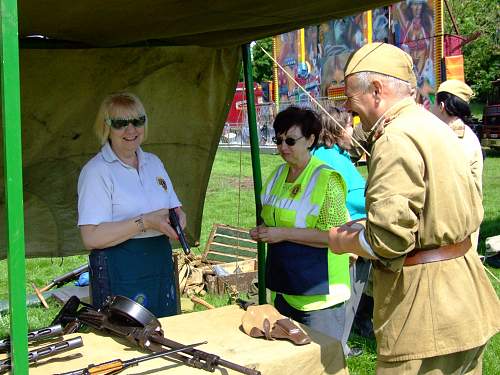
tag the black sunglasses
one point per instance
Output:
(120, 123)
(289, 141)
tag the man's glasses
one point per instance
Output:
(120, 123)
(289, 141)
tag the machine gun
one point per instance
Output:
(126, 318)
(41, 334)
(59, 281)
(117, 365)
(174, 222)
(44, 352)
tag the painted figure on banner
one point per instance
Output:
(312, 78)
(287, 58)
(413, 26)
(380, 25)
(338, 38)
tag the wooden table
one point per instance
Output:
(221, 328)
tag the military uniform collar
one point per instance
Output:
(109, 155)
(388, 116)
(458, 127)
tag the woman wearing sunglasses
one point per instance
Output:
(302, 198)
(124, 195)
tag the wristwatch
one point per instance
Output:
(140, 223)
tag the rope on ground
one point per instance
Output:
(491, 273)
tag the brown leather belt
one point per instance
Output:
(420, 256)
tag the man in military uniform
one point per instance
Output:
(435, 308)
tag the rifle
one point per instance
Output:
(59, 281)
(41, 334)
(117, 365)
(44, 352)
(126, 318)
(174, 221)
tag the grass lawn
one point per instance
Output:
(230, 200)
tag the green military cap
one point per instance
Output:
(382, 58)
(457, 88)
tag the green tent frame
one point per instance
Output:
(14, 185)
(14, 179)
(298, 14)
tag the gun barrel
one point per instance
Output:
(43, 333)
(70, 275)
(174, 221)
(44, 352)
(211, 359)
(134, 361)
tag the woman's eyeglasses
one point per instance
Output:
(120, 123)
(289, 140)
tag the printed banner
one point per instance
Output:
(319, 64)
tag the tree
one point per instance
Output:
(481, 56)
(262, 64)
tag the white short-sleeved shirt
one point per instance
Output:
(110, 190)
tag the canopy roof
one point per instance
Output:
(89, 50)
(197, 22)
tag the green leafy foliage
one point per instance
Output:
(481, 56)
(262, 64)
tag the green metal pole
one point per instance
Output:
(257, 178)
(13, 179)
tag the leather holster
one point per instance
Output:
(266, 321)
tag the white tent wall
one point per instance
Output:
(186, 92)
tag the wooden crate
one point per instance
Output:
(230, 248)
(229, 244)
(241, 280)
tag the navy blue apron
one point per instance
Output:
(297, 269)
(140, 269)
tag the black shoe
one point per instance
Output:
(354, 352)
(493, 261)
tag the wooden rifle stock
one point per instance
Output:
(117, 365)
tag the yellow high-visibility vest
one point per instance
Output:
(300, 208)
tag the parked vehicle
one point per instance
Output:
(490, 129)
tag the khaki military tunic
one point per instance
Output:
(421, 194)
(474, 155)
(472, 149)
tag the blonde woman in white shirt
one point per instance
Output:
(124, 197)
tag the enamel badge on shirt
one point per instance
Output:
(162, 183)
(295, 190)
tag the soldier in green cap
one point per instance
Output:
(435, 308)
